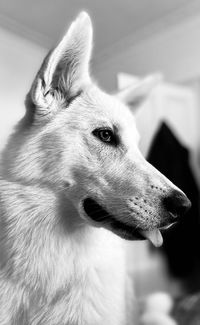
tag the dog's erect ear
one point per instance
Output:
(65, 71)
(135, 94)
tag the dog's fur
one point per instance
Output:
(59, 264)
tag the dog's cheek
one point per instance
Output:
(51, 148)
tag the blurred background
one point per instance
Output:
(132, 38)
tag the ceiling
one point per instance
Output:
(44, 21)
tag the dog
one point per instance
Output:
(73, 185)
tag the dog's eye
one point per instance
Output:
(106, 135)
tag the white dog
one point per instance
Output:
(72, 179)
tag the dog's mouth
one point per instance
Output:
(130, 232)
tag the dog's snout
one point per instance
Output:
(177, 203)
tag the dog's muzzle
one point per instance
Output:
(175, 205)
(126, 231)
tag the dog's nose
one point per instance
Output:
(177, 203)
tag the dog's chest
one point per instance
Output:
(97, 297)
(94, 292)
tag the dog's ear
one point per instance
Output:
(65, 71)
(135, 94)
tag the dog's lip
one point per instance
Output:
(98, 214)
(170, 225)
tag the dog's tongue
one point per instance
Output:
(154, 236)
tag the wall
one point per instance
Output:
(174, 50)
(176, 53)
(19, 61)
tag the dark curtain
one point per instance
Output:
(181, 243)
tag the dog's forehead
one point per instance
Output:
(95, 109)
(105, 108)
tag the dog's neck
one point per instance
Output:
(60, 263)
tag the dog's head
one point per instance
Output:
(84, 143)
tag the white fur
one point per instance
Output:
(58, 266)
